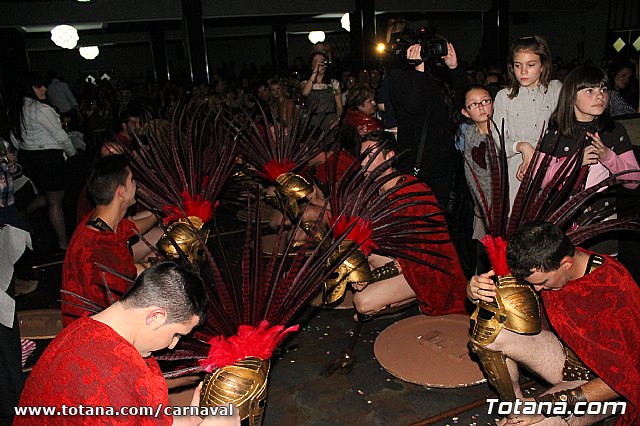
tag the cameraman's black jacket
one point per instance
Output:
(415, 96)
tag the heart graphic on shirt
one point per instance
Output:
(479, 155)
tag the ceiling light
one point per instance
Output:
(316, 36)
(89, 52)
(65, 36)
(345, 22)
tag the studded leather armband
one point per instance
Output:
(385, 272)
(570, 396)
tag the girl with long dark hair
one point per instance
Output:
(37, 132)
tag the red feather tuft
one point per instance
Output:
(361, 233)
(497, 252)
(193, 206)
(274, 168)
(259, 342)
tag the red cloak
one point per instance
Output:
(339, 162)
(439, 293)
(82, 276)
(89, 363)
(598, 317)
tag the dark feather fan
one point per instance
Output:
(382, 213)
(275, 149)
(259, 289)
(186, 162)
(562, 200)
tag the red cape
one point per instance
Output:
(598, 317)
(439, 293)
(81, 275)
(339, 163)
(88, 363)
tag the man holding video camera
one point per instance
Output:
(424, 94)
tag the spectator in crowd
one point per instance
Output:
(60, 94)
(621, 74)
(44, 146)
(525, 105)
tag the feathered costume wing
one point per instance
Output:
(182, 166)
(253, 299)
(380, 218)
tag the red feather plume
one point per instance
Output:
(259, 342)
(193, 206)
(361, 233)
(274, 168)
(497, 252)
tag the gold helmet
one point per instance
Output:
(516, 308)
(294, 186)
(186, 237)
(243, 384)
(355, 268)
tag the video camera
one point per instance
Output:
(432, 46)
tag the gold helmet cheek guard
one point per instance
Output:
(243, 384)
(291, 188)
(186, 237)
(354, 268)
(516, 308)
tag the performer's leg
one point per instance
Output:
(514, 373)
(542, 353)
(376, 296)
(376, 261)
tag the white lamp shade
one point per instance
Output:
(345, 21)
(65, 36)
(89, 52)
(316, 36)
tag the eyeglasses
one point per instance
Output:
(483, 102)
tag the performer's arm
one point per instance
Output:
(595, 390)
(144, 221)
(598, 390)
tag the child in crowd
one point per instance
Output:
(525, 105)
(478, 107)
(582, 114)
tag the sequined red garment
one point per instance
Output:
(363, 123)
(82, 276)
(439, 293)
(88, 363)
(598, 317)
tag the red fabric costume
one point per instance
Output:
(85, 205)
(339, 162)
(88, 363)
(598, 317)
(363, 123)
(82, 276)
(439, 293)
